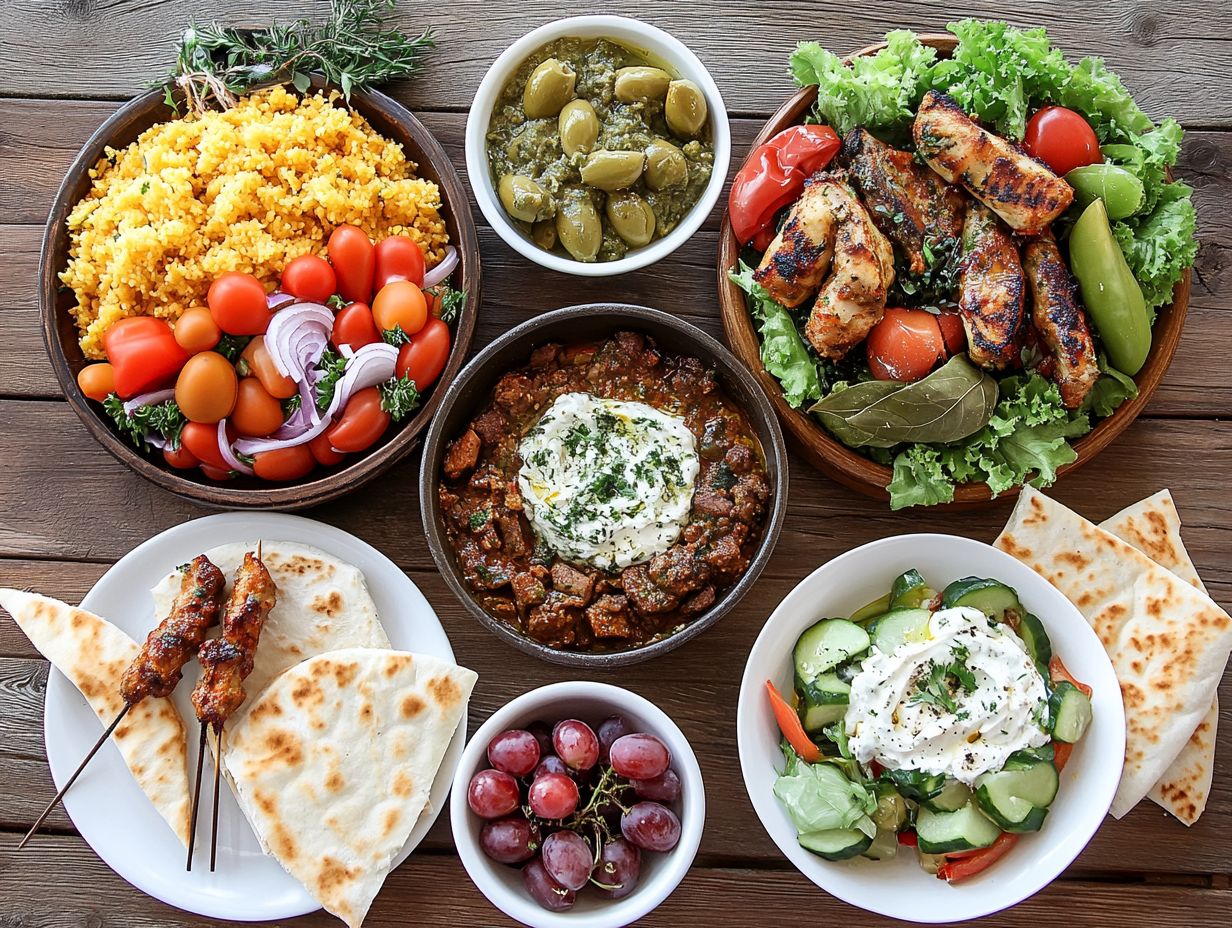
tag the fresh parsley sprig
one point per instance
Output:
(399, 397)
(163, 419)
(943, 682)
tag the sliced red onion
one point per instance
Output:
(296, 338)
(155, 440)
(224, 448)
(442, 270)
(278, 298)
(149, 399)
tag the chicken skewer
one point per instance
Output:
(1060, 320)
(225, 662)
(991, 291)
(158, 667)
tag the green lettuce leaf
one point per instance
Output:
(1111, 390)
(818, 797)
(1097, 93)
(782, 349)
(919, 478)
(1159, 247)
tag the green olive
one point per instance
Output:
(548, 89)
(641, 83)
(543, 233)
(631, 217)
(685, 109)
(613, 170)
(665, 165)
(579, 127)
(524, 199)
(578, 225)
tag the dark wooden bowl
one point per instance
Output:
(473, 389)
(388, 118)
(851, 468)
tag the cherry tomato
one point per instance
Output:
(196, 330)
(355, 326)
(354, 260)
(284, 464)
(773, 176)
(310, 277)
(180, 458)
(400, 304)
(322, 451)
(201, 441)
(905, 345)
(206, 388)
(362, 423)
(1061, 139)
(953, 333)
(399, 257)
(256, 412)
(237, 303)
(255, 360)
(97, 381)
(143, 353)
(424, 356)
(217, 473)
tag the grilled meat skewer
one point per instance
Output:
(1060, 320)
(796, 262)
(990, 291)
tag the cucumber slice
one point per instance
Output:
(965, 829)
(910, 591)
(915, 784)
(871, 610)
(828, 689)
(1031, 631)
(884, 846)
(991, 597)
(1018, 799)
(819, 717)
(899, 626)
(1070, 711)
(825, 645)
(953, 796)
(836, 844)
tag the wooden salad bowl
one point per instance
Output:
(391, 120)
(848, 466)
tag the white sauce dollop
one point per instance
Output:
(607, 482)
(971, 732)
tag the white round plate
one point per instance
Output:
(900, 888)
(111, 811)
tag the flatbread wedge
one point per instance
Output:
(1153, 526)
(1168, 641)
(334, 762)
(93, 654)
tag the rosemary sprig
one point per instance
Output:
(355, 47)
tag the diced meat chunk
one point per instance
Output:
(740, 459)
(644, 595)
(491, 426)
(462, 455)
(610, 617)
(513, 536)
(573, 582)
(709, 503)
(554, 621)
(678, 571)
(516, 392)
(528, 590)
(700, 601)
(545, 355)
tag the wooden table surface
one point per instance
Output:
(68, 510)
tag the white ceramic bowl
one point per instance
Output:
(899, 888)
(634, 34)
(592, 703)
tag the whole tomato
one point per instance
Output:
(196, 330)
(355, 326)
(256, 412)
(201, 441)
(905, 345)
(321, 450)
(237, 303)
(400, 305)
(354, 260)
(309, 277)
(206, 388)
(425, 355)
(97, 381)
(284, 463)
(255, 360)
(362, 423)
(399, 257)
(180, 458)
(1061, 139)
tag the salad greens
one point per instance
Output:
(783, 351)
(819, 797)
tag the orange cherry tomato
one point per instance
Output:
(322, 451)
(284, 464)
(399, 257)
(256, 412)
(790, 726)
(362, 423)
(355, 326)
(206, 388)
(237, 303)
(354, 260)
(952, 332)
(217, 473)
(310, 277)
(180, 458)
(255, 360)
(201, 441)
(97, 381)
(424, 356)
(400, 304)
(144, 354)
(196, 330)
(905, 345)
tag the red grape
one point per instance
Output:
(651, 827)
(611, 728)
(509, 840)
(551, 764)
(493, 793)
(553, 796)
(576, 744)
(516, 752)
(620, 864)
(663, 788)
(640, 756)
(545, 890)
(543, 734)
(567, 858)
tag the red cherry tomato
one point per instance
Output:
(773, 176)
(180, 458)
(237, 303)
(424, 356)
(284, 464)
(201, 440)
(309, 277)
(402, 305)
(217, 473)
(1061, 139)
(362, 423)
(952, 332)
(399, 257)
(905, 345)
(355, 326)
(143, 353)
(354, 260)
(321, 450)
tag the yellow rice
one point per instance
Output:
(243, 190)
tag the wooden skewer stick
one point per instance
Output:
(76, 773)
(214, 816)
(196, 800)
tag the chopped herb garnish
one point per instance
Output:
(399, 397)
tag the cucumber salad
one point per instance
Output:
(933, 722)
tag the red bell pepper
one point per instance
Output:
(143, 353)
(908, 839)
(1061, 751)
(957, 869)
(789, 725)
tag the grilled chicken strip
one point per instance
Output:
(1014, 185)
(854, 297)
(794, 265)
(990, 290)
(1059, 319)
(909, 203)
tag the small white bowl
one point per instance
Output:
(592, 703)
(900, 888)
(634, 34)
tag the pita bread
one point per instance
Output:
(1153, 526)
(334, 763)
(323, 605)
(1168, 641)
(93, 654)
